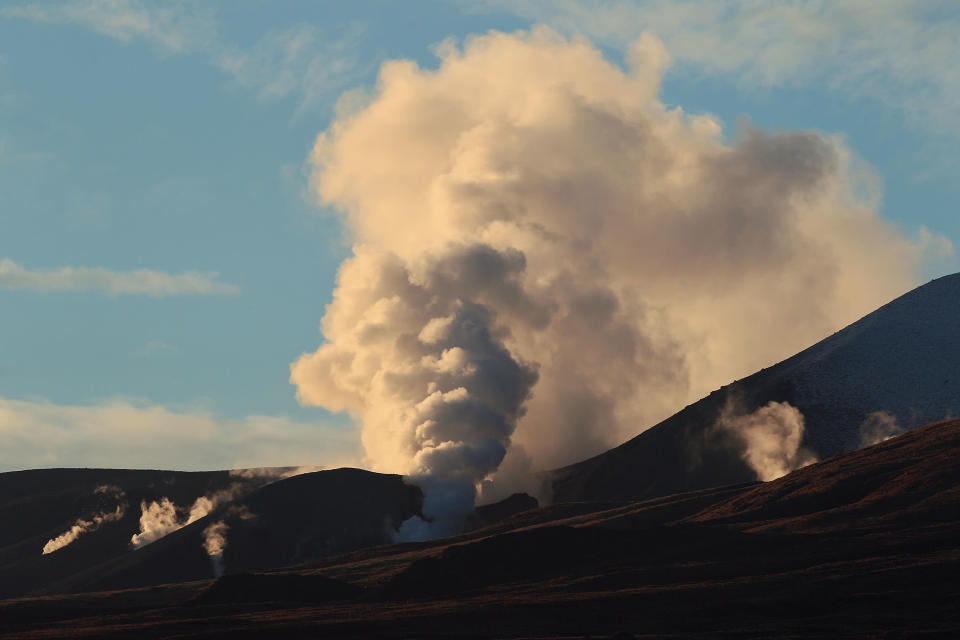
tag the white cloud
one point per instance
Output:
(157, 348)
(295, 61)
(37, 434)
(300, 60)
(175, 27)
(95, 279)
(898, 51)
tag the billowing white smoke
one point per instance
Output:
(161, 518)
(87, 525)
(547, 260)
(877, 427)
(214, 543)
(772, 437)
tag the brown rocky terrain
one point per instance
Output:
(862, 545)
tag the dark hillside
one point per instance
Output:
(291, 521)
(37, 506)
(902, 359)
(863, 545)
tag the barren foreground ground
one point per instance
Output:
(863, 545)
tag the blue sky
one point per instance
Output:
(173, 137)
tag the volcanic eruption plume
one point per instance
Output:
(547, 260)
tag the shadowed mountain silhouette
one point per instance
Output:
(909, 482)
(862, 545)
(270, 523)
(667, 535)
(37, 506)
(900, 359)
(510, 506)
(290, 521)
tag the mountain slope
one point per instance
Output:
(40, 505)
(860, 546)
(903, 359)
(292, 520)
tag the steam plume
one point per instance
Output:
(157, 519)
(772, 436)
(163, 517)
(547, 257)
(877, 427)
(83, 525)
(214, 542)
(272, 474)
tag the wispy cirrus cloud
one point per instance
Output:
(38, 434)
(300, 60)
(157, 348)
(900, 52)
(148, 282)
(176, 27)
(295, 61)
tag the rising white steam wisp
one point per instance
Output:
(214, 543)
(772, 437)
(159, 518)
(92, 523)
(272, 474)
(548, 260)
(82, 526)
(877, 427)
